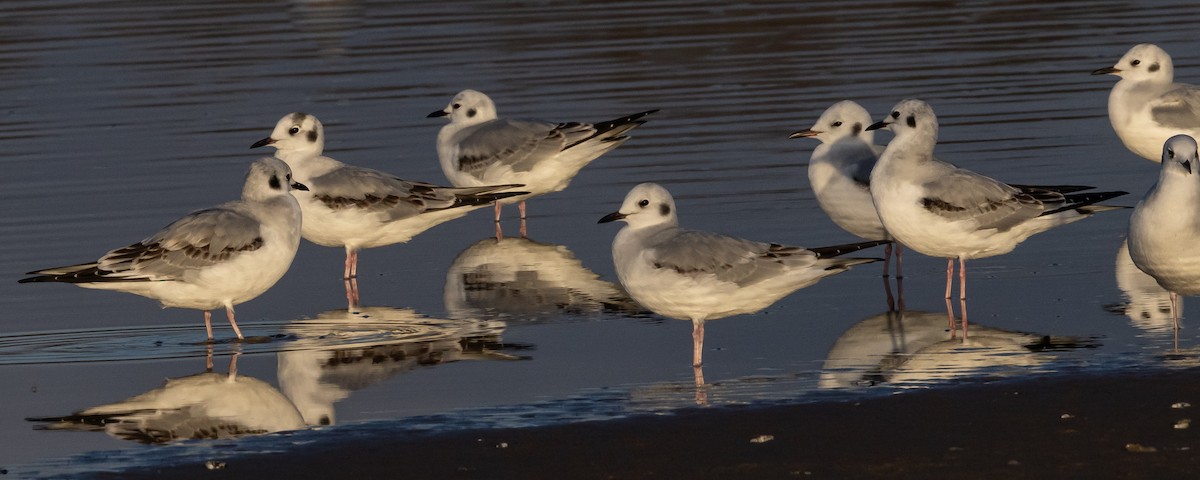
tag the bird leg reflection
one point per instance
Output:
(701, 388)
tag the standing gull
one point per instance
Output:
(356, 208)
(220, 256)
(840, 172)
(701, 276)
(478, 148)
(1165, 225)
(944, 211)
(1146, 107)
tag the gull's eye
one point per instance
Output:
(1170, 153)
(644, 203)
(837, 124)
(294, 130)
(896, 114)
(1135, 62)
(457, 106)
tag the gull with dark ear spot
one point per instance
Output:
(1165, 225)
(356, 208)
(944, 211)
(216, 257)
(701, 276)
(1146, 107)
(840, 172)
(479, 148)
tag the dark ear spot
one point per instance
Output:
(1154, 67)
(856, 129)
(312, 136)
(275, 185)
(664, 209)
(911, 121)
(470, 112)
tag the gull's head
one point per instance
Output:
(910, 116)
(1179, 157)
(296, 132)
(647, 205)
(269, 177)
(468, 108)
(1142, 63)
(844, 119)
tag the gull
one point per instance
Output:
(701, 276)
(840, 172)
(219, 256)
(205, 406)
(478, 148)
(1146, 107)
(355, 207)
(944, 211)
(1165, 224)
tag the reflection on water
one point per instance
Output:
(317, 377)
(525, 279)
(205, 406)
(1147, 304)
(913, 348)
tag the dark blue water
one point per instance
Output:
(118, 117)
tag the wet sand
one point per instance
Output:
(1121, 425)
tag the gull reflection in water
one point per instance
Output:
(205, 406)
(908, 347)
(524, 279)
(1147, 304)
(342, 351)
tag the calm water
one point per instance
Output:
(117, 117)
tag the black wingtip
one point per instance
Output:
(836, 250)
(1081, 200)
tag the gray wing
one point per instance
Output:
(519, 144)
(730, 259)
(201, 239)
(1178, 108)
(373, 191)
(964, 195)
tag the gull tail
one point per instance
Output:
(1084, 203)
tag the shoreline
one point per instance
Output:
(1113, 425)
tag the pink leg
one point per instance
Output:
(701, 390)
(962, 280)
(524, 231)
(887, 259)
(497, 212)
(208, 358)
(899, 261)
(697, 342)
(233, 323)
(887, 288)
(351, 270)
(900, 293)
(351, 293)
(208, 324)
(1175, 309)
(949, 276)
(962, 305)
(950, 317)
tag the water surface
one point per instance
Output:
(118, 117)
